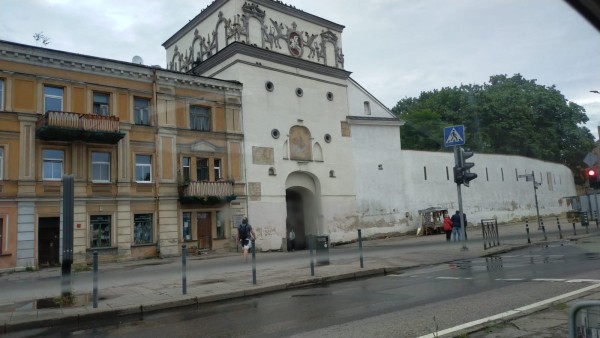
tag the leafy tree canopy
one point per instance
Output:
(507, 115)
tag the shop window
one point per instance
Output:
(187, 226)
(100, 167)
(100, 226)
(53, 98)
(53, 164)
(142, 229)
(199, 118)
(143, 168)
(141, 111)
(101, 104)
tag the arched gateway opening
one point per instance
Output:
(303, 207)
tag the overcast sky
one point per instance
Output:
(394, 48)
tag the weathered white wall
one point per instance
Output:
(385, 197)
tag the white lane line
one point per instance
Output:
(583, 281)
(510, 279)
(548, 280)
(448, 278)
(510, 312)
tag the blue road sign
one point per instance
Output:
(454, 136)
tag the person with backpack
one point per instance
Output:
(245, 236)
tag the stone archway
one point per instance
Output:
(303, 208)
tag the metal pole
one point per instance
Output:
(544, 231)
(310, 249)
(360, 248)
(574, 230)
(559, 230)
(460, 205)
(527, 230)
(537, 209)
(184, 268)
(253, 262)
(95, 280)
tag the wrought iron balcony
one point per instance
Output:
(207, 192)
(68, 126)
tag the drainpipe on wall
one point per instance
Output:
(155, 164)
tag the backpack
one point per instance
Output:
(243, 231)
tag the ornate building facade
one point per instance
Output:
(156, 156)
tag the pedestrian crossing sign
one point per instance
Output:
(454, 136)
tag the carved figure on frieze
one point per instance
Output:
(279, 33)
(309, 44)
(340, 58)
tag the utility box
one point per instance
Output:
(322, 249)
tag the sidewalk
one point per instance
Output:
(275, 271)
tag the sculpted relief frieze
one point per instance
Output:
(273, 33)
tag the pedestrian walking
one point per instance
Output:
(245, 236)
(292, 237)
(447, 227)
(456, 226)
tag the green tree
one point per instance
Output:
(507, 115)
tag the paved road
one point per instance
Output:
(154, 284)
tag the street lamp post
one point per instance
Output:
(531, 177)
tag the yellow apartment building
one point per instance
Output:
(156, 156)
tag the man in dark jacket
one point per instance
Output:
(456, 229)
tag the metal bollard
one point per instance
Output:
(184, 268)
(527, 229)
(360, 248)
(559, 230)
(544, 230)
(574, 230)
(312, 261)
(95, 280)
(253, 262)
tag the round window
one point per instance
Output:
(330, 96)
(269, 86)
(275, 133)
(327, 138)
(299, 92)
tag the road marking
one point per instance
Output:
(449, 278)
(583, 281)
(510, 279)
(548, 280)
(510, 312)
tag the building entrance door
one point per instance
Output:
(49, 241)
(204, 231)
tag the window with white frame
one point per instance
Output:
(199, 118)
(1, 163)
(142, 229)
(141, 111)
(100, 167)
(101, 104)
(186, 169)
(53, 98)
(53, 160)
(100, 227)
(143, 168)
(1, 94)
(217, 168)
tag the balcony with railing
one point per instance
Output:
(68, 126)
(208, 193)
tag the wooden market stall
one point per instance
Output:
(431, 221)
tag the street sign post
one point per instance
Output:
(454, 136)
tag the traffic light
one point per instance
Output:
(592, 175)
(462, 170)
